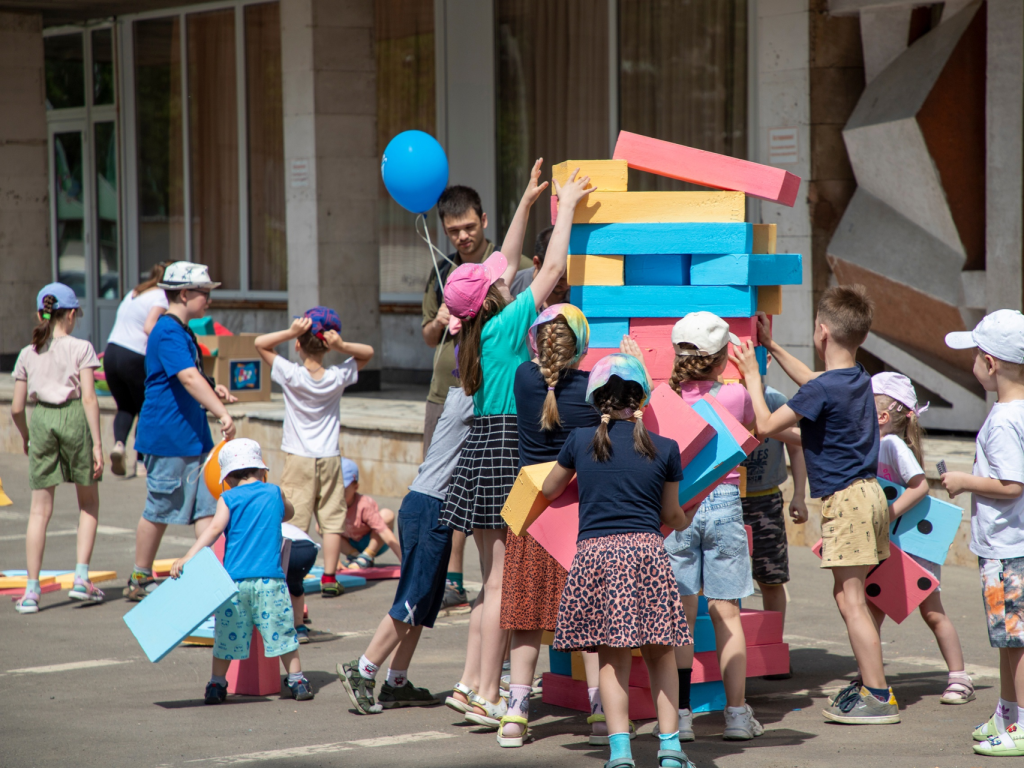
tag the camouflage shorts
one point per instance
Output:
(1002, 585)
(764, 515)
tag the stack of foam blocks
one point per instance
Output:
(639, 261)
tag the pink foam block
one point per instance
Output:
(668, 415)
(741, 434)
(377, 572)
(898, 585)
(707, 168)
(750, 539)
(654, 335)
(563, 691)
(256, 676)
(19, 591)
(761, 627)
(769, 659)
(558, 526)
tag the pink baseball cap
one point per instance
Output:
(468, 284)
(899, 388)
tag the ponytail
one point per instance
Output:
(470, 373)
(556, 348)
(913, 437)
(694, 367)
(613, 400)
(905, 424)
(156, 274)
(41, 333)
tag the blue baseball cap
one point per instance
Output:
(64, 294)
(349, 472)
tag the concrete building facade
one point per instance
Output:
(247, 135)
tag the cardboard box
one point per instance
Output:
(237, 366)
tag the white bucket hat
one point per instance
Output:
(899, 388)
(706, 331)
(182, 275)
(240, 453)
(1000, 334)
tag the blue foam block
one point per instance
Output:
(707, 697)
(747, 269)
(560, 662)
(42, 574)
(615, 239)
(663, 300)
(715, 460)
(206, 630)
(202, 326)
(702, 605)
(177, 607)
(927, 529)
(761, 353)
(703, 632)
(657, 269)
(312, 582)
(607, 332)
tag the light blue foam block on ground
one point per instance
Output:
(747, 269)
(42, 574)
(312, 581)
(707, 697)
(715, 460)
(663, 300)
(177, 607)
(607, 332)
(657, 269)
(625, 239)
(927, 529)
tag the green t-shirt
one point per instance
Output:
(503, 348)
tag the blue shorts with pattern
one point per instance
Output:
(261, 603)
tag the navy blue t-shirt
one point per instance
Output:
(623, 494)
(838, 428)
(252, 540)
(537, 445)
(172, 422)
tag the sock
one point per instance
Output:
(455, 578)
(882, 694)
(82, 571)
(145, 573)
(594, 694)
(32, 585)
(367, 669)
(219, 680)
(294, 677)
(684, 688)
(1006, 711)
(670, 741)
(619, 743)
(737, 710)
(518, 704)
(396, 677)
(328, 578)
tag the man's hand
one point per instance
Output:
(764, 330)
(746, 361)
(223, 394)
(955, 483)
(574, 190)
(535, 186)
(97, 462)
(443, 316)
(227, 427)
(299, 326)
(798, 510)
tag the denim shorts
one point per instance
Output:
(712, 553)
(176, 492)
(426, 547)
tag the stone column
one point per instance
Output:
(332, 168)
(24, 206)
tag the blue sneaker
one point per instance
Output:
(302, 634)
(301, 690)
(216, 693)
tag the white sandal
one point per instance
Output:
(959, 691)
(492, 712)
(462, 707)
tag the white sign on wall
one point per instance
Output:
(782, 146)
(298, 173)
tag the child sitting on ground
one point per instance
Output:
(312, 421)
(249, 514)
(367, 527)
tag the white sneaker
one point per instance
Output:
(741, 726)
(685, 726)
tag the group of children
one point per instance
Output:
(522, 400)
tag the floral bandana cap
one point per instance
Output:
(626, 367)
(574, 318)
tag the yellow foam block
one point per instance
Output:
(525, 503)
(67, 581)
(660, 207)
(764, 238)
(579, 672)
(769, 299)
(743, 481)
(206, 642)
(548, 638)
(163, 566)
(20, 582)
(607, 175)
(595, 270)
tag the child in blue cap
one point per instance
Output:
(368, 528)
(312, 479)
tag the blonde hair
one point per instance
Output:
(904, 424)
(612, 400)
(556, 348)
(695, 367)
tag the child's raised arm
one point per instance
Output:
(220, 521)
(512, 246)
(558, 248)
(768, 424)
(796, 369)
(265, 344)
(363, 353)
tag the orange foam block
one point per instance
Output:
(668, 415)
(762, 660)
(525, 503)
(20, 582)
(257, 675)
(709, 169)
(558, 526)
(564, 691)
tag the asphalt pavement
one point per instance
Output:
(76, 689)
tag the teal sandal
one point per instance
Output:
(674, 754)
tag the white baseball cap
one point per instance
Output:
(1000, 334)
(240, 453)
(182, 275)
(706, 331)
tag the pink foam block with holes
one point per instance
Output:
(558, 526)
(259, 675)
(709, 169)
(563, 691)
(741, 434)
(669, 416)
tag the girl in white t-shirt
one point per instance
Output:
(899, 461)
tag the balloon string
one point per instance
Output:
(425, 237)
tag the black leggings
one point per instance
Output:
(126, 377)
(302, 559)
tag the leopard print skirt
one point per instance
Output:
(620, 593)
(531, 586)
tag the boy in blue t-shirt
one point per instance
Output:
(173, 432)
(835, 409)
(249, 514)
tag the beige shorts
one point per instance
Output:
(855, 526)
(315, 487)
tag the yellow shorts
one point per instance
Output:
(855, 526)
(315, 488)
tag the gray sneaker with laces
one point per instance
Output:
(862, 708)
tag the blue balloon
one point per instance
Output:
(415, 170)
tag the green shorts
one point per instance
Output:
(59, 446)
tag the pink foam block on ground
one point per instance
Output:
(741, 434)
(558, 526)
(19, 591)
(259, 675)
(668, 415)
(377, 572)
(710, 169)
(771, 659)
(563, 691)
